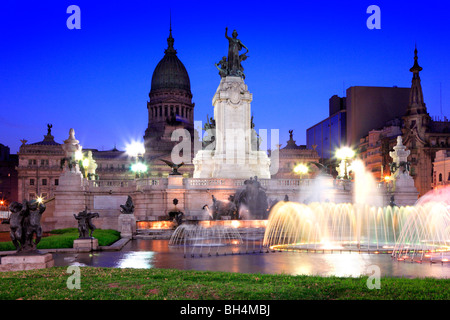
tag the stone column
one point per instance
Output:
(233, 156)
(69, 195)
(127, 225)
(404, 191)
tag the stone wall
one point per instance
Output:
(153, 198)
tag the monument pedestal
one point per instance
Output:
(127, 225)
(235, 155)
(21, 262)
(175, 182)
(405, 193)
(89, 244)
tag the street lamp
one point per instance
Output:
(344, 154)
(301, 169)
(137, 150)
(139, 168)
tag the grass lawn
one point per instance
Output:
(63, 238)
(162, 284)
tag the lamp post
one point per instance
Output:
(137, 150)
(301, 169)
(345, 153)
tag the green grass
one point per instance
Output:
(160, 284)
(63, 238)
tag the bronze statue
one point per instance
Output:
(233, 65)
(25, 223)
(210, 128)
(128, 208)
(176, 214)
(174, 167)
(291, 134)
(234, 46)
(223, 208)
(254, 198)
(242, 57)
(49, 129)
(85, 225)
(223, 69)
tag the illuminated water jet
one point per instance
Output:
(330, 226)
(426, 232)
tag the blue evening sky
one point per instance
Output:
(97, 79)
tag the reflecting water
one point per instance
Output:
(158, 254)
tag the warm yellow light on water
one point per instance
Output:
(235, 224)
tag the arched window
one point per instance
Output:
(440, 177)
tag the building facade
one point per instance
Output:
(330, 134)
(375, 147)
(293, 155)
(423, 136)
(170, 108)
(441, 169)
(8, 176)
(352, 117)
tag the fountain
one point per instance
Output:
(363, 225)
(330, 226)
(206, 240)
(426, 232)
(415, 233)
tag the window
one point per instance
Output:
(31, 182)
(44, 182)
(32, 196)
(56, 182)
(440, 177)
(30, 162)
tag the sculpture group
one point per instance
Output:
(252, 199)
(233, 65)
(25, 223)
(85, 225)
(128, 207)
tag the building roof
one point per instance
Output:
(49, 140)
(170, 72)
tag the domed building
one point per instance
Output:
(170, 108)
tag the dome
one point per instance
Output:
(170, 72)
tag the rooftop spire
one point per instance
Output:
(416, 103)
(416, 68)
(170, 39)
